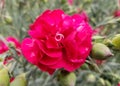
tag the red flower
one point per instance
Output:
(14, 41)
(58, 41)
(117, 13)
(4, 47)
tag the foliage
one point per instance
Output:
(17, 15)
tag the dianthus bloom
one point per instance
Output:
(58, 41)
(4, 47)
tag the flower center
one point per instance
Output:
(59, 36)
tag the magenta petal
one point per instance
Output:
(31, 50)
(57, 18)
(69, 66)
(46, 68)
(50, 52)
(51, 43)
(44, 14)
(77, 19)
(71, 49)
(3, 47)
(36, 31)
(46, 60)
(59, 64)
(72, 67)
(67, 22)
(83, 31)
(14, 40)
(117, 13)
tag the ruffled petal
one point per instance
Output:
(36, 31)
(53, 53)
(46, 60)
(51, 43)
(73, 66)
(71, 50)
(31, 51)
(3, 47)
(46, 68)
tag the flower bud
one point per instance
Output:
(116, 41)
(67, 78)
(100, 51)
(4, 77)
(91, 78)
(107, 83)
(100, 82)
(84, 66)
(8, 19)
(108, 42)
(112, 77)
(19, 80)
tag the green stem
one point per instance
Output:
(92, 62)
